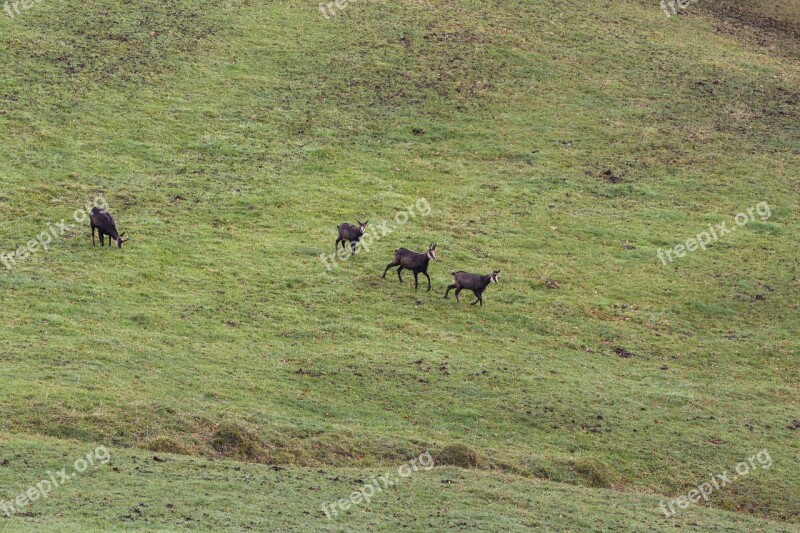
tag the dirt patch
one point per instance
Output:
(455, 37)
(622, 352)
(550, 283)
(760, 23)
(609, 176)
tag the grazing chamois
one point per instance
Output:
(414, 262)
(104, 222)
(473, 282)
(351, 234)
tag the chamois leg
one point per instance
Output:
(429, 280)
(478, 294)
(93, 243)
(416, 281)
(458, 289)
(390, 265)
(353, 247)
(102, 237)
(398, 273)
(453, 286)
(338, 240)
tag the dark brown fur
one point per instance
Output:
(416, 263)
(350, 234)
(104, 222)
(473, 282)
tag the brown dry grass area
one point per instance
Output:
(773, 25)
(786, 11)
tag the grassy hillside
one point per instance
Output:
(561, 143)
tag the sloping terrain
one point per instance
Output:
(562, 143)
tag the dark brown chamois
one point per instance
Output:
(104, 222)
(416, 263)
(473, 282)
(351, 234)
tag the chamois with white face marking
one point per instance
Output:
(473, 282)
(416, 263)
(105, 225)
(350, 234)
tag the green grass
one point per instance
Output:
(157, 492)
(230, 139)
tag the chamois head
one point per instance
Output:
(494, 277)
(120, 240)
(432, 251)
(362, 226)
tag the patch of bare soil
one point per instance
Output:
(759, 22)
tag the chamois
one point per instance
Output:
(473, 282)
(103, 221)
(414, 262)
(351, 234)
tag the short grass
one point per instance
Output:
(562, 143)
(136, 490)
